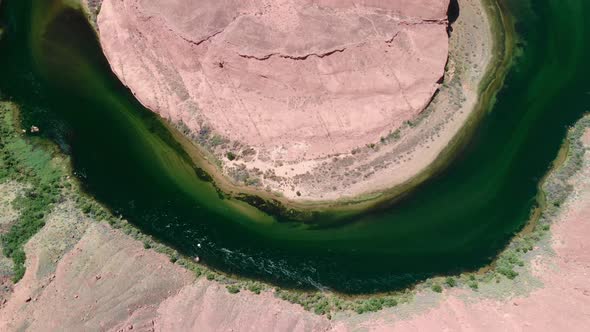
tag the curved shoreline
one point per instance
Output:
(355, 303)
(565, 156)
(500, 60)
(518, 239)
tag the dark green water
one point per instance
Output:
(51, 65)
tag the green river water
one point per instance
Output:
(51, 65)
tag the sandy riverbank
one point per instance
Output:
(399, 159)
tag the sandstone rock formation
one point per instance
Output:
(288, 80)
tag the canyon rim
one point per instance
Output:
(314, 101)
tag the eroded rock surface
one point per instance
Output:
(291, 80)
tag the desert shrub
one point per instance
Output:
(255, 288)
(231, 156)
(322, 307)
(252, 181)
(507, 271)
(233, 289)
(451, 282)
(217, 140)
(436, 288)
(394, 135)
(370, 305)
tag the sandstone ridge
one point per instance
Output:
(288, 81)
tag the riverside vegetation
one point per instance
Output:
(37, 163)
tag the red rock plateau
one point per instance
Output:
(280, 81)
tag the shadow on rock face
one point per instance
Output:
(453, 11)
(452, 14)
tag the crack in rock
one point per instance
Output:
(208, 38)
(293, 57)
(338, 50)
(390, 40)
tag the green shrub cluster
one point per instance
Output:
(30, 163)
(451, 282)
(233, 289)
(437, 288)
(374, 304)
(325, 303)
(231, 156)
(256, 287)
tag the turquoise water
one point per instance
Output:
(52, 66)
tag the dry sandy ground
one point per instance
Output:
(296, 90)
(9, 191)
(83, 275)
